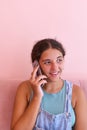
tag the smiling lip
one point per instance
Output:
(54, 74)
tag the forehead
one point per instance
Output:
(51, 54)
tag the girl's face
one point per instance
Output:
(51, 62)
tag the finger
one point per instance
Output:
(41, 77)
(42, 82)
(33, 74)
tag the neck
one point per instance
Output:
(53, 87)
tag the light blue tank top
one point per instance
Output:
(54, 103)
(63, 121)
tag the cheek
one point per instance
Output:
(45, 69)
(61, 66)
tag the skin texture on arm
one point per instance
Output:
(24, 114)
(80, 109)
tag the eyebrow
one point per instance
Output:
(59, 57)
(49, 59)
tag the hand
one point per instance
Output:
(37, 82)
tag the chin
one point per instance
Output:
(53, 79)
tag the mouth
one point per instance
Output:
(54, 74)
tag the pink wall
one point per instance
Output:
(22, 23)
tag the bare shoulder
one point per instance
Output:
(24, 89)
(79, 103)
(24, 86)
(78, 93)
(21, 101)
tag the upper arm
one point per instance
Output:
(20, 103)
(80, 109)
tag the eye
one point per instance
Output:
(59, 60)
(47, 62)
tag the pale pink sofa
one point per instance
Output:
(7, 93)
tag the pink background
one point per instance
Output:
(22, 23)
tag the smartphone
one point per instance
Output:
(35, 63)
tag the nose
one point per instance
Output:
(54, 66)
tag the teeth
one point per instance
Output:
(53, 73)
